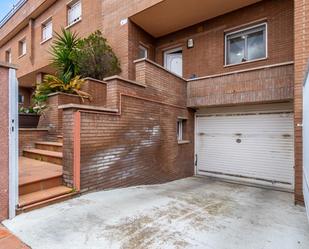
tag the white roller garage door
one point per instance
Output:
(251, 147)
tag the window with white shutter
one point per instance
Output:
(47, 30)
(74, 12)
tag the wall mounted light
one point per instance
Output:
(190, 43)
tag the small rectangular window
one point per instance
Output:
(180, 129)
(8, 56)
(246, 45)
(74, 12)
(142, 52)
(21, 99)
(47, 30)
(22, 47)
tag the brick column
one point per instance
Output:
(301, 57)
(4, 143)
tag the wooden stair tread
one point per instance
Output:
(31, 171)
(45, 152)
(50, 143)
(43, 195)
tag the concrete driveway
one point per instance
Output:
(189, 213)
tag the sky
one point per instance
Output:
(6, 6)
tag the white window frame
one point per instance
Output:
(71, 5)
(8, 56)
(145, 49)
(44, 27)
(179, 129)
(22, 47)
(243, 30)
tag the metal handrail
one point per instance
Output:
(15, 8)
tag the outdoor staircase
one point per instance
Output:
(40, 179)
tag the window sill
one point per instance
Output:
(246, 62)
(183, 142)
(21, 56)
(73, 23)
(42, 42)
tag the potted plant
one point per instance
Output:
(28, 117)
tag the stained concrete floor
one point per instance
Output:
(189, 213)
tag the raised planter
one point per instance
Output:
(28, 120)
(52, 117)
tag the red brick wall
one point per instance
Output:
(4, 143)
(138, 37)
(117, 35)
(207, 56)
(301, 53)
(258, 86)
(137, 145)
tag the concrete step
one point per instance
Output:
(42, 195)
(44, 155)
(51, 146)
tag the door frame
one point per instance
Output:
(13, 143)
(169, 51)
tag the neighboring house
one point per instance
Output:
(207, 87)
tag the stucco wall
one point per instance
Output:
(4, 147)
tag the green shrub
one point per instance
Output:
(95, 58)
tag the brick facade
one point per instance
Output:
(262, 85)
(37, 57)
(137, 145)
(146, 90)
(4, 143)
(207, 56)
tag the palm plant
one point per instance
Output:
(66, 80)
(64, 84)
(63, 52)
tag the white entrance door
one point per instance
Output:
(13, 142)
(256, 148)
(173, 61)
(306, 144)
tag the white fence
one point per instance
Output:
(306, 142)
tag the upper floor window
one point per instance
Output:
(74, 12)
(22, 47)
(8, 56)
(246, 45)
(142, 52)
(47, 30)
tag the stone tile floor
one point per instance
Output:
(10, 241)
